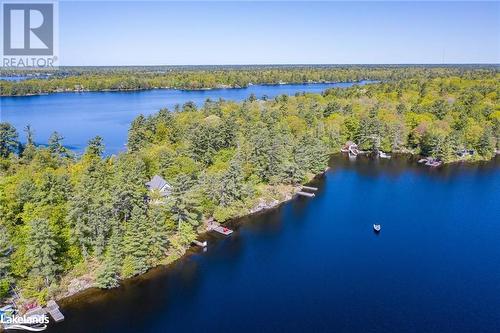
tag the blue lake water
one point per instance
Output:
(315, 265)
(13, 78)
(81, 116)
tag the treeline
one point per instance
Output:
(63, 217)
(206, 77)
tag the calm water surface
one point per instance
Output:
(315, 265)
(81, 116)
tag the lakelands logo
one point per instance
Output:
(35, 323)
(29, 34)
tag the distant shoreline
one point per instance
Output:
(367, 81)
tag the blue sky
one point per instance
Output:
(197, 33)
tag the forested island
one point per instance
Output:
(69, 222)
(78, 79)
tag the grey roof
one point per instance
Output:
(157, 183)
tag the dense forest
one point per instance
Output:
(207, 77)
(64, 218)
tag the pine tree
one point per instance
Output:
(109, 274)
(129, 188)
(55, 145)
(269, 152)
(8, 139)
(446, 149)
(159, 233)
(231, 183)
(136, 243)
(137, 137)
(293, 173)
(29, 150)
(91, 208)
(331, 108)
(42, 249)
(207, 138)
(181, 204)
(53, 189)
(310, 155)
(30, 140)
(487, 144)
(95, 147)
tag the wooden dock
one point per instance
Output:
(223, 230)
(310, 188)
(306, 194)
(218, 228)
(53, 309)
(201, 244)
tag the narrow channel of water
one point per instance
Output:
(315, 265)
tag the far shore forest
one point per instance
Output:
(68, 221)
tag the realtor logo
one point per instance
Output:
(28, 29)
(29, 33)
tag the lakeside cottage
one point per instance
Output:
(351, 148)
(159, 185)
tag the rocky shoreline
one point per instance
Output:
(78, 285)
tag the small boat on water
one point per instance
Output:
(377, 227)
(381, 154)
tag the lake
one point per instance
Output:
(315, 265)
(81, 116)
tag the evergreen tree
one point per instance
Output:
(109, 274)
(136, 243)
(95, 146)
(370, 132)
(269, 153)
(53, 189)
(159, 233)
(189, 107)
(129, 188)
(91, 208)
(439, 108)
(231, 183)
(137, 137)
(55, 145)
(8, 139)
(487, 144)
(252, 97)
(446, 149)
(42, 250)
(293, 173)
(30, 140)
(181, 204)
(209, 137)
(331, 108)
(29, 150)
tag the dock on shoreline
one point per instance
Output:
(303, 192)
(212, 225)
(52, 309)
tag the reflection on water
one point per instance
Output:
(315, 265)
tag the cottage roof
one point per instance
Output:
(157, 183)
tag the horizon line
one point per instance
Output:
(271, 64)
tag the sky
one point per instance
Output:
(205, 33)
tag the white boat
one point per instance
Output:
(377, 227)
(383, 155)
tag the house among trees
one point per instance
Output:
(160, 186)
